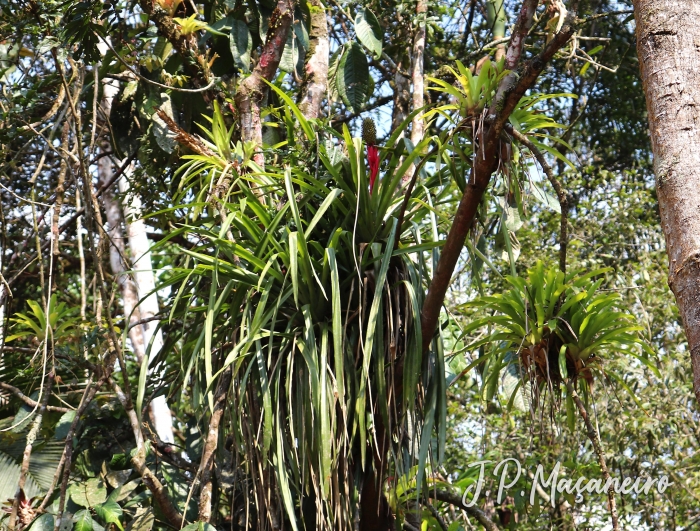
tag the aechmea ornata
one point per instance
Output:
(369, 135)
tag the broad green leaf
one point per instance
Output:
(291, 54)
(199, 526)
(369, 31)
(142, 521)
(241, 43)
(333, 73)
(110, 512)
(352, 78)
(82, 520)
(89, 493)
(545, 198)
(64, 425)
(43, 523)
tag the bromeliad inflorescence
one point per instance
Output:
(369, 135)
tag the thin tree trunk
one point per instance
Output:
(143, 286)
(144, 278)
(417, 127)
(117, 250)
(314, 87)
(668, 40)
(252, 90)
(81, 255)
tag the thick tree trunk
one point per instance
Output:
(668, 45)
(313, 89)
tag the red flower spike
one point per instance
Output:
(373, 162)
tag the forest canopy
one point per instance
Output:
(321, 264)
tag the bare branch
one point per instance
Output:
(593, 436)
(454, 499)
(31, 403)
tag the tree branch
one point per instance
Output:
(454, 499)
(593, 436)
(313, 89)
(510, 90)
(160, 495)
(252, 90)
(195, 63)
(67, 456)
(31, 403)
(209, 451)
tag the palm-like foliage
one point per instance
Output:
(301, 285)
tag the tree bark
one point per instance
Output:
(313, 89)
(510, 90)
(142, 287)
(253, 89)
(117, 250)
(668, 45)
(144, 279)
(417, 126)
(402, 99)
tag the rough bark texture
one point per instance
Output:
(313, 89)
(668, 45)
(206, 467)
(402, 99)
(253, 89)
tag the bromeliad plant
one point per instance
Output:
(61, 322)
(302, 311)
(556, 326)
